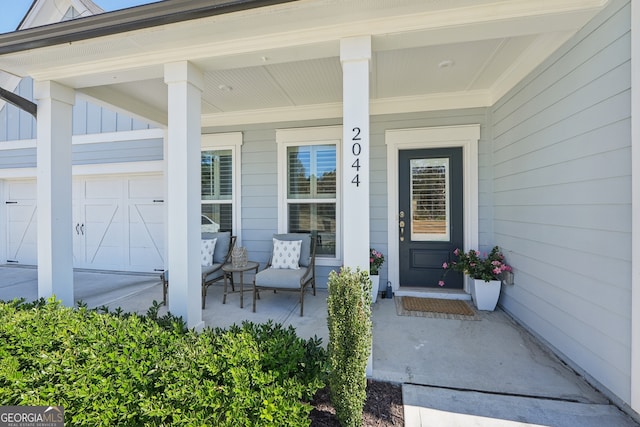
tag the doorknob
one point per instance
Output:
(401, 223)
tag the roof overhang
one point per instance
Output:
(266, 60)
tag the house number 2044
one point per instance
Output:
(356, 149)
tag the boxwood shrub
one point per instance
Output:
(117, 369)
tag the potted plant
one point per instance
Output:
(484, 274)
(376, 259)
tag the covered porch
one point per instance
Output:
(513, 380)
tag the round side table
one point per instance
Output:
(229, 269)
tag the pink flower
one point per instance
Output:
(497, 270)
(445, 266)
(440, 283)
(456, 252)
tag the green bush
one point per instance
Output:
(116, 369)
(350, 338)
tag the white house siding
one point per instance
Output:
(88, 118)
(16, 124)
(562, 199)
(86, 154)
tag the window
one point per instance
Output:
(216, 184)
(309, 186)
(220, 195)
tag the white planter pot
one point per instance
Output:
(375, 285)
(485, 294)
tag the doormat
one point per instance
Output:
(435, 308)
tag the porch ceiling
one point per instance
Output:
(283, 60)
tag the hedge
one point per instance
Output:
(117, 369)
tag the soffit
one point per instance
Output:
(288, 55)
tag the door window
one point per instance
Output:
(430, 199)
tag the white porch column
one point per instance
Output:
(185, 83)
(355, 55)
(54, 218)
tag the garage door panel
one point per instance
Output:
(105, 256)
(21, 226)
(146, 234)
(147, 213)
(118, 222)
(22, 190)
(146, 188)
(103, 189)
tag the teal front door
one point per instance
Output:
(430, 216)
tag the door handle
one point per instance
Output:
(82, 229)
(401, 224)
(78, 229)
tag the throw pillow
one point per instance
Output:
(207, 247)
(286, 254)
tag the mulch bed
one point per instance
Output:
(383, 407)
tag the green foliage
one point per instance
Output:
(478, 266)
(122, 369)
(350, 338)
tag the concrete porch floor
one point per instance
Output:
(486, 372)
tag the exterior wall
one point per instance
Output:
(259, 178)
(16, 124)
(86, 154)
(562, 199)
(88, 118)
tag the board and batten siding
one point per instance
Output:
(562, 199)
(88, 118)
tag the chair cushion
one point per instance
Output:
(207, 246)
(280, 278)
(286, 254)
(222, 244)
(212, 273)
(305, 248)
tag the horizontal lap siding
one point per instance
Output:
(562, 198)
(378, 200)
(89, 154)
(260, 175)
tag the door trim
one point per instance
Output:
(465, 136)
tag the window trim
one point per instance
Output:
(229, 141)
(286, 138)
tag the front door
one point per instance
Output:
(430, 215)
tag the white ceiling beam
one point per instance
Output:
(405, 104)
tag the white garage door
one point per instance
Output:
(118, 223)
(21, 221)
